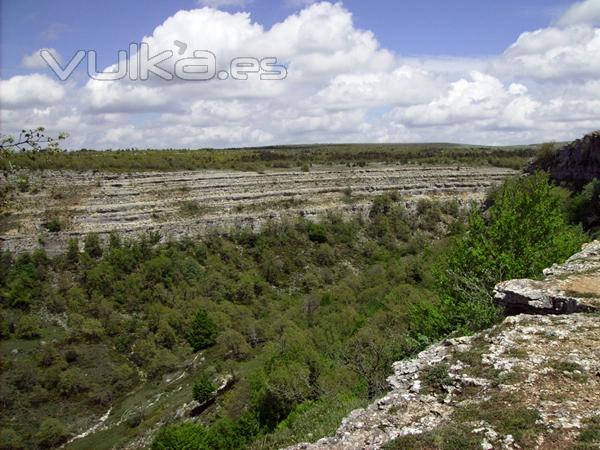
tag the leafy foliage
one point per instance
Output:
(204, 388)
(524, 230)
(203, 331)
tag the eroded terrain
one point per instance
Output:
(48, 207)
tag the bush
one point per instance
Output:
(437, 376)
(187, 436)
(10, 440)
(204, 388)
(524, 231)
(51, 434)
(92, 245)
(54, 225)
(546, 153)
(28, 327)
(203, 332)
(71, 382)
(585, 206)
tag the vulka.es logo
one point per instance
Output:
(138, 64)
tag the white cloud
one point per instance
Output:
(585, 12)
(342, 86)
(482, 98)
(404, 85)
(35, 61)
(553, 54)
(30, 91)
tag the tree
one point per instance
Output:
(28, 327)
(51, 434)
(34, 139)
(203, 332)
(204, 388)
(92, 245)
(524, 231)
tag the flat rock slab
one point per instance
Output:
(567, 288)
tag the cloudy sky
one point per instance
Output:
(474, 71)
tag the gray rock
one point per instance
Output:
(567, 288)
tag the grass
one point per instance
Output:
(589, 438)
(569, 369)
(436, 377)
(504, 414)
(449, 437)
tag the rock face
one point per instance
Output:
(567, 288)
(543, 370)
(176, 204)
(575, 164)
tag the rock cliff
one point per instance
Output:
(575, 164)
(177, 204)
(532, 381)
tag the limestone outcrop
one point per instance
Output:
(176, 204)
(567, 288)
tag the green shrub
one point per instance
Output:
(71, 382)
(54, 225)
(546, 153)
(187, 436)
(52, 433)
(92, 245)
(203, 331)
(525, 230)
(204, 388)
(585, 206)
(23, 184)
(436, 377)
(190, 208)
(589, 437)
(10, 440)
(28, 327)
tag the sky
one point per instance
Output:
(472, 71)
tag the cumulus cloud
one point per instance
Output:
(30, 91)
(342, 86)
(35, 60)
(482, 98)
(585, 12)
(554, 54)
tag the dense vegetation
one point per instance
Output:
(256, 159)
(304, 318)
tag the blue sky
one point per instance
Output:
(476, 71)
(427, 27)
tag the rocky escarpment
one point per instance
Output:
(575, 164)
(48, 208)
(530, 382)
